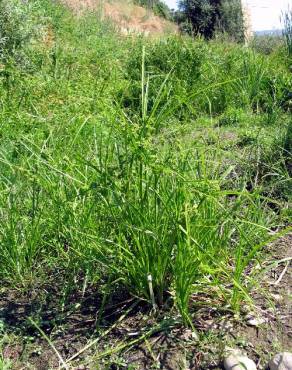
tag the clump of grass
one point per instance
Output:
(95, 183)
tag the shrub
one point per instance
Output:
(207, 17)
(18, 25)
(266, 44)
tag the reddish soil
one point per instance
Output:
(129, 18)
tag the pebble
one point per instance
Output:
(226, 326)
(236, 360)
(190, 335)
(255, 321)
(282, 361)
(277, 297)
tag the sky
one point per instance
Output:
(265, 14)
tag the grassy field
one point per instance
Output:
(154, 172)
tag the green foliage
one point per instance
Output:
(267, 44)
(107, 172)
(212, 78)
(202, 15)
(287, 31)
(206, 17)
(5, 364)
(230, 20)
(18, 26)
(158, 7)
(288, 140)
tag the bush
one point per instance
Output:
(266, 44)
(231, 20)
(18, 26)
(206, 18)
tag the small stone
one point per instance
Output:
(195, 336)
(133, 333)
(210, 324)
(226, 326)
(245, 308)
(255, 321)
(236, 360)
(277, 297)
(189, 335)
(282, 361)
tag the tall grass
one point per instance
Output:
(287, 29)
(99, 180)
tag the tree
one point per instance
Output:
(201, 14)
(230, 19)
(205, 17)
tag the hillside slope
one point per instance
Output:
(128, 17)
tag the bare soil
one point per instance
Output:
(129, 18)
(141, 339)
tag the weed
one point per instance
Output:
(98, 182)
(287, 32)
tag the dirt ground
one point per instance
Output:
(129, 18)
(139, 339)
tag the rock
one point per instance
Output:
(190, 335)
(277, 297)
(226, 326)
(282, 361)
(236, 360)
(255, 320)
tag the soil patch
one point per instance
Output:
(129, 18)
(139, 339)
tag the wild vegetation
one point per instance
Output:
(159, 7)
(159, 168)
(210, 17)
(287, 32)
